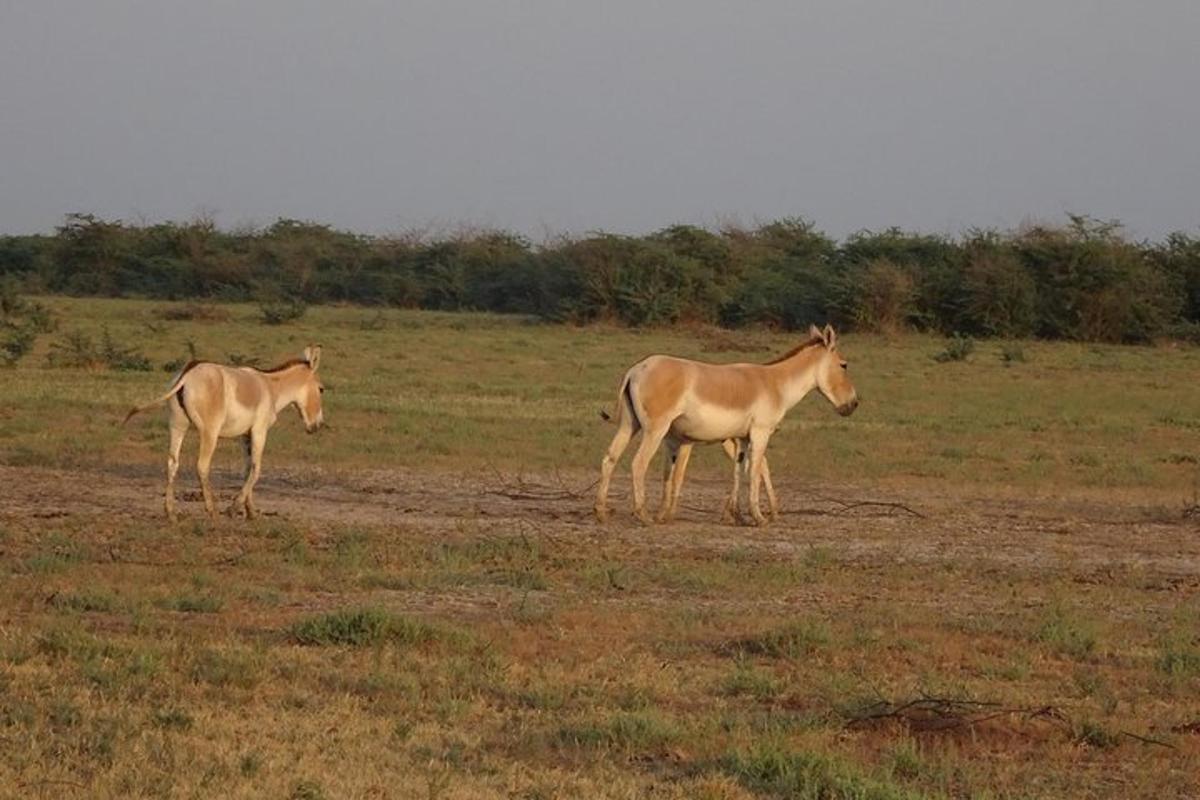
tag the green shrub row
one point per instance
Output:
(1084, 280)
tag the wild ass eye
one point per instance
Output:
(321, 389)
(845, 365)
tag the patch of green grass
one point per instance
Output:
(1178, 657)
(86, 601)
(366, 626)
(1095, 735)
(189, 603)
(775, 771)
(55, 554)
(639, 731)
(1066, 633)
(173, 718)
(235, 667)
(793, 640)
(745, 679)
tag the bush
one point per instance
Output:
(192, 312)
(278, 312)
(999, 296)
(20, 322)
(78, 350)
(884, 297)
(958, 348)
(1082, 281)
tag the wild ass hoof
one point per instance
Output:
(602, 514)
(643, 517)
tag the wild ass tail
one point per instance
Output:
(176, 385)
(624, 406)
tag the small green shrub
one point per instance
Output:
(364, 626)
(1096, 735)
(1012, 353)
(1178, 658)
(278, 312)
(77, 350)
(307, 790)
(958, 348)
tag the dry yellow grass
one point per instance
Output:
(412, 620)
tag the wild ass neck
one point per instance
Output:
(285, 386)
(796, 375)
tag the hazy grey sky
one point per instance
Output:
(626, 115)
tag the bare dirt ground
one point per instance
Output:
(1080, 536)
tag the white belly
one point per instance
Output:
(712, 424)
(238, 420)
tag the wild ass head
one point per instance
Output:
(833, 377)
(308, 398)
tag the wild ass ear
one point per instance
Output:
(830, 337)
(312, 354)
(815, 333)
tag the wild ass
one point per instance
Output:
(224, 402)
(738, 451)
(685, 402)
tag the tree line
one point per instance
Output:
(1083, 280)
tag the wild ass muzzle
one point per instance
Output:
(227, 402)
(685, 402)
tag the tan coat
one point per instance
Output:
(684, 402)
(226, 402)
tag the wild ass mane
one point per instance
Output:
(810, 342)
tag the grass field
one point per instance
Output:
(986, 583)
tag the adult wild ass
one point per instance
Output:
(224, 402)
(685, 402)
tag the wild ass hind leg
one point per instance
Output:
(179, 425)
(244, 502)
(758, 452)
(625, 432)
(681, 465)
(678, 455)
(651, 439)
(208, 445)
(669, 458)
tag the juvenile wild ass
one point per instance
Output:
(685, 402)
(738, 451)
(224, 402)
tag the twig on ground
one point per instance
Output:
(518, 488)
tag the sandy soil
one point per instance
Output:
(1081, 535)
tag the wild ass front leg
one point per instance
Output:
(733, 449)
(670, 460)
(772, 500)
(758, 452)
(244, 502)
